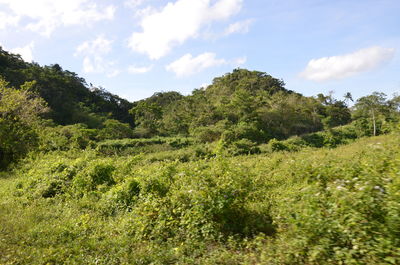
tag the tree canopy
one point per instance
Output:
(20, 111)
(249, 104)
(68, 96)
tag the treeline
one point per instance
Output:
(241, 104)
(256, 106)
(69, 98)
(46, 108)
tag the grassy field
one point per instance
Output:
(315, 206)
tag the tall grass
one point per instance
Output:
(315, 206)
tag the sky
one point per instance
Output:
(134, 48)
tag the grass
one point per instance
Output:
(315, 206)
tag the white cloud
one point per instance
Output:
(177, 22)
(7, 20)
(188, 65)
(100, 45)
(94, 53)
(342, 66)
(139, 69)
(239, 61)
(113, 73)
(47, 15)
(239, 27)
(26, 52)
(134, 3)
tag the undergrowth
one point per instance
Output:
(314, 206)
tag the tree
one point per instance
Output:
(69, 98)
(337, 114)
(374, 107)
(147, 115)
(348, 97)
(114, 129)
(20, 111)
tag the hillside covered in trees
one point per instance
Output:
(68, 96)
(243, 171)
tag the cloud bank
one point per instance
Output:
(342, 66)
(45, 16)
(177, 22)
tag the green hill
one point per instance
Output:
(243, 171)
(69, 97)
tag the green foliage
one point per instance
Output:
(94, 194)
(127, 146)
(336, 206)
(244, 130)
(374, 113)
(242, 104)
(276, 145)
(68, 96)
(330, 138)
(97, 175)
(148, 113)
(208, 134)
(76, 136)
(114, 129)
(337, 114)
(243, 146)
(20, 111)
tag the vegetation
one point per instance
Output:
(241, 172)
(69, 97)
(317, 206)
(241, 104)
(19, 121)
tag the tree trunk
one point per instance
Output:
(373, 121)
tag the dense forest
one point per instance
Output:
(244, 171)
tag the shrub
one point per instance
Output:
(314, 139)
(243, 146)
(76, 136)
(207, 134)
(114, 129)
(109, 147)
(94, 176)
(179, 142)
(276, 145)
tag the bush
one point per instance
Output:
(179, 142)
(244, 130)
(96, 175)
(276, 145)
(314, 139)
(76, 136)
(112, 147)
(243, 146)
(114, 129)
(207, 134)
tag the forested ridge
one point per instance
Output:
(243, 171)
(70, 98)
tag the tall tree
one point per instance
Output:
(373, 106)
(20, 111)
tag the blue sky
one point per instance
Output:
(135, 48)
